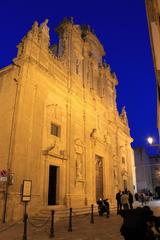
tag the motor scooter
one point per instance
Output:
(103, 207)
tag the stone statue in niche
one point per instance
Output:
(78, 146)
(78, 165)
(94, 133)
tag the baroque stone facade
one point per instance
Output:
(59, 122)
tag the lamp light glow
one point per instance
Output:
(150, 140)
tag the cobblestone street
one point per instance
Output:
(103, 228)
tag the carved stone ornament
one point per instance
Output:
(35, 30)
(94, 133)
(106, 138)
(78, 146)
(123, 116)
(124, 172)
(44, 27)
(78, 165)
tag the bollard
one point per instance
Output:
(52, 225)
(92, 219)
(70, 220)
(25, 222)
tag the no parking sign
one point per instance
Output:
(3, 175)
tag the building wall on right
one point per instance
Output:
(143, 170)
(153, 16)
(155, 169)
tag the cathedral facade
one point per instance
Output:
(60, 127)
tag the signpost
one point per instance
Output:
(26, 197)
(3, 176)
(26, 190)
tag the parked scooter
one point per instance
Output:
(103, 207)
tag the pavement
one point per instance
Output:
(82, 228)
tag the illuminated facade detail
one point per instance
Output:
(66, 87)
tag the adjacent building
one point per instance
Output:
(155, 170)
(143, 170)
(60, 127)
(153, 14)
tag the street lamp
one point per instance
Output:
(150, 140)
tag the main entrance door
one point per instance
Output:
(52, 185)
(99, 177)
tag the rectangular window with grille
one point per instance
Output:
(55, 130)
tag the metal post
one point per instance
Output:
(10, 153)
(70, 220)
(92, 219)
(52, 225)
(25, 222)
(5, 202)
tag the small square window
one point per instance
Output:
(55, 130)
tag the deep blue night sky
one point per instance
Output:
(122, 29)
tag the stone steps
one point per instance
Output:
(61, 213)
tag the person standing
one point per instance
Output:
(124, 201)
(130, 199)
(143, 198)
(118, 199)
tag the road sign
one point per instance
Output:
(3, 173)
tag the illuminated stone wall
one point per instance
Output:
(66, 88)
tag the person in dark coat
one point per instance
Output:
(118, 199)
(137, 224)
(130, 200)
(136, 195)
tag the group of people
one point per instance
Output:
(144, 197)
(140, 223)
(124, 200)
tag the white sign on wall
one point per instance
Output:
(26, 190)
